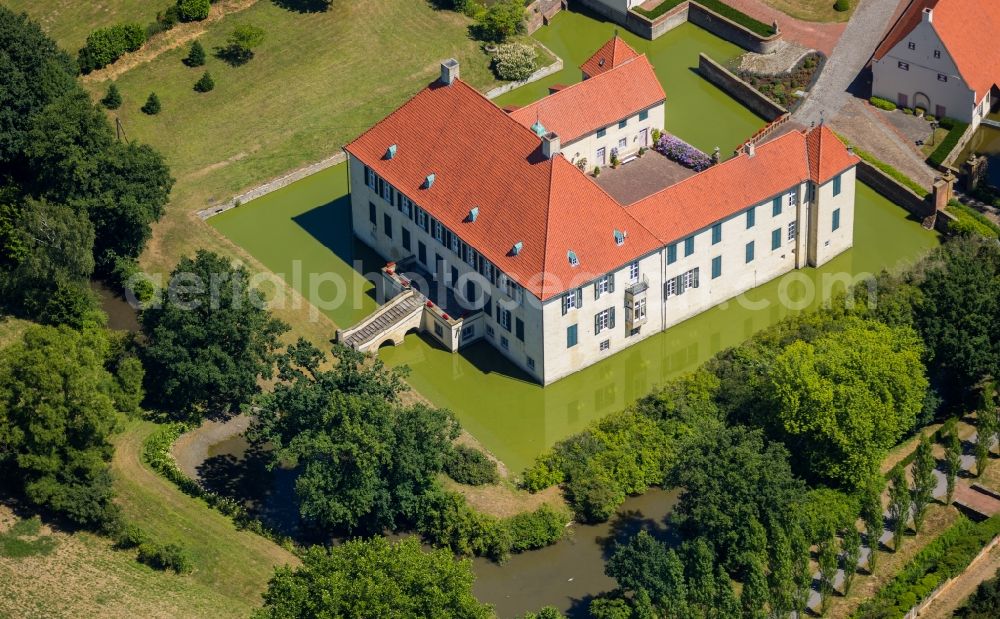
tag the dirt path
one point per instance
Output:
(168, 40)
(951, 598)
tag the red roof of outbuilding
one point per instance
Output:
(968, 29)
(593, 104)
(611, 54)
(482, 158)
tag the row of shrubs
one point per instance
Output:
(169, 556)
(156, 454)
(956, 129)
(106, 45)
(447, 520)
(945, 557)
(741, 18)
(971, 221)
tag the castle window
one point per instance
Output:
(942, 77)
(911, 45)
(903, 65)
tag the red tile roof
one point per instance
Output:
(968, 30)
(593, 104)
(482, 158)
(741, 182)
(611, 54)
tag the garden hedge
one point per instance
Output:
(955, 130)
(971, 221)
(106, 45)
(943, 558)
(741, 18)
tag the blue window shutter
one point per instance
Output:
(751, 217)
(579, 298)
(696, 281)
(776, 238)
(611, 282)
(749, 251)
(776, 206)
(571, 336)
(597, 323)
(611, 319)
(716, 234)
(836, 219)
(836, 185)
(672, 253)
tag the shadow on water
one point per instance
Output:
(237, 469)
(331, 225)
(121, 315)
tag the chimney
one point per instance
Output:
(550, 145)
(449, 71)
(928, 15)
(750, 148)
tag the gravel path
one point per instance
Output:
(866, 28)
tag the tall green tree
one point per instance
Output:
(900, 501)
(846, 397)
(502, 20)
(374, 578)
(210, 339)
(959, 305)
(802, 573)
(645, 564)
(981, 452)
(924, 481)
(700, 572)
(58, 410)
(366, 460)
(781, 579)
(987, 421)
(953, 462)
(732, 478)
(827, 559)
(755, 596)
(873, 517)
(852, 554)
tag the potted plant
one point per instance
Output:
(614, 158)
(597, 171)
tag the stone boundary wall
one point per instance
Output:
(274, 185)
(692, 12)
(949, 161)
(896, 193)
(641, 25)
(546, 71)
(541, 11)
(738, 89)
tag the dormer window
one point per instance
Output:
(573, 260)
(619, 238)
(473, 213)
(516, 249)
(390, 152)
(429, 181)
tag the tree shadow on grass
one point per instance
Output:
(304, 6)
(234, 55)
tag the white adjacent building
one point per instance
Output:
(547, 267)
(942, 56)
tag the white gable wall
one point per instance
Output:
(920, 83)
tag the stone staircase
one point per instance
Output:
(404, 308)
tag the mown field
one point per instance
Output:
(85, 577)
(70, 21)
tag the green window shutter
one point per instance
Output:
(696, 281)
(571, 336)
(611, 282)
(611, 318)
(672, 253)
(776, 206)
(579, 298)
(751, 217)
(836, 218)
(597, 323)
(776, 238)
(716, 234)
(750, 250)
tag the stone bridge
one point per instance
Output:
(390, 323)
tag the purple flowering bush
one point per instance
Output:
(678, 150)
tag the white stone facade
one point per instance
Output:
(626, 135)
(802, 226)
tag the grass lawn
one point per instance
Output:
(813, 10)
(70, 21)
(317, 81)
(85, 577)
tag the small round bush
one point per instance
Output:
(193, 10)
(152, 105)
(842, 5)
(514, 62)
(205, 84)
(113, 99)
(471, 466)
(196, 55)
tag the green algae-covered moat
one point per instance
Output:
(305, 228)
